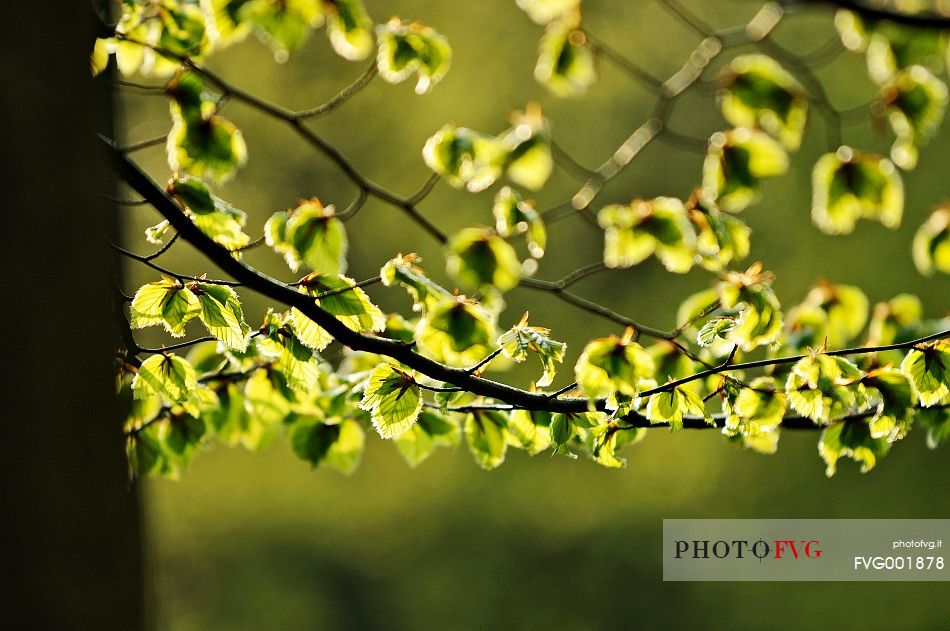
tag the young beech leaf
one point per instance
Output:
(720, 238)
(937, 422)
(215, 217)
(659, 226)
(759, 319)
(296, 361)
(530, 431)
(201, 143)
(848, 185)
(346, 301)
(517, 341)
(311, 234)
(456, 331)
(477, 258)
(393, 400)
(915, 101)
(166, 302)
(350, 28)
(565, 63)
(337, 445)
(672, 405)
(928, 368)
(754, 410)
(895, 399)
(758, 92)
(515, 216)
(425, 292)
(737, 160)
(824, 388)
(465, 158)
(222, 315)
(409, 47)
(931, 247)
(283, 25)
(836, 313)
(267, 397)
(170, 377)
(156, 234)
(892, 318)
(613, 365)
(851, 439)
(716, 328)
(486, 437)
(546, 11)
(527, 147)
(607, 437)
(420, 440)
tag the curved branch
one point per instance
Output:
(867, 11)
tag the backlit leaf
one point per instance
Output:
(393, 400)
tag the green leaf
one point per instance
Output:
(759, 319)
(644, 227)
(170, 377)
(165, 446)
(914, 101)
(515, 216)
(737, 161)
(350, 29)
(720, 237)
(892, 318)
(928, 368)
(294, 359)
(530, 430)
(716, 328)
(521, 338)
(337, 445)
(425, 292)
(613, 365)
(311, 235)
(430, 430)
(851, 439)
(267, 398)
(606, 438)
(477, 258)
(215, 217)
(931, 247)
(465, 158)
(848, 185)
(937, 422)
(754, 410)
(166, 302)
(201, 143)
(896, 399)
(284, 25)
(456, 332)
(410, 47)
(565, 63)
(527, 146)
(824, 388)
(347, 302)
(760, 93)
(221, 313)
(546, 11)
(393, 400)
(843, 313)
(672, 405)
(485, 434)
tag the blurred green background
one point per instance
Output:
(254, 541)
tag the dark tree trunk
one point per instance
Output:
(75, 548)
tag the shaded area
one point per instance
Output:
(73, 540)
